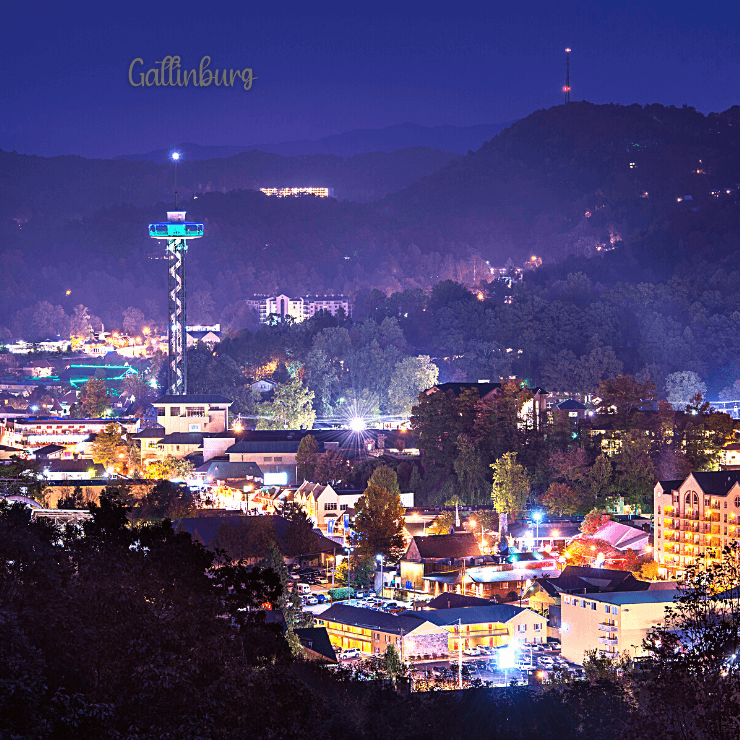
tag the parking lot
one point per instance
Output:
(484, 667)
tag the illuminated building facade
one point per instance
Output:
(298, 309)
(694, 517)
(298, 192)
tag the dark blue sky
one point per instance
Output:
(326, 67)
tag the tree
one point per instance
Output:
(442, 523)
(305, 460)
(79, 325)
(411, 376)
(692, 656)
(133, 320)
(594, 520)
(683, 387)
(385, 477)
(289, 600)
(94, 399)
(113, 447)
(635, 470)
(624, 395)
(471, 470)
(164, 500)
(290, 408)
(600, 477)
(561, 500)
(510, 487)
(330, 467)
(169, 468)
(379, 524)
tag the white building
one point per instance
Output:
(300, 308)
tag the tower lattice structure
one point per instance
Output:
(176, 232)
(566, 89)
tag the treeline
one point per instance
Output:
(465, 440)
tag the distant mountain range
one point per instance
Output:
(457, 139)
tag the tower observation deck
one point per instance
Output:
(176, 231)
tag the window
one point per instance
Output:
(593, 606)
(174, 411)
(278, 459)
(583, 603)
(615, 610)
(521, 628)
(160, 412)
(606, 608)
(725, 506)
(194, 427)
(567, 599)
(330, 507)
(194, 411)
(737, 502)
(538, 627)
(342, 507)
(659, 510)
(267, 459)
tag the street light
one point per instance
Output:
(537, 516)
(379, 558)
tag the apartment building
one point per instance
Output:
(299, 308)
(611, 623)
(695, 517)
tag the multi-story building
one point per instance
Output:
(432, 631)
(33, 433)
(298, 309)
(323, 505)
(192, 413)
(695, 517)
(611, 623)
(298, 192)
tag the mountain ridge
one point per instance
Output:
(457, 139)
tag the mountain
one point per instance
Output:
(623, 193)
(70, 187)
(458, 139)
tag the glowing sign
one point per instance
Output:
(276, 479)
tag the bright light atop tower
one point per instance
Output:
(357, 424)
(175, 156)
(567, 51)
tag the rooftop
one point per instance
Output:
(472, 614)
(374, 619)
(192, 398)
(651, 596)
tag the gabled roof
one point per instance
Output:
(192, 398)
(501, 613)
(451, 600)
(717, 483)
(571, 405)
(575, 578)
(316, 639)
(150, 433)
(47, 450)
(311, 489)
(374, 619)
(72, 466)
(462, 545)
(622, 537)
(670, 485)
(183, 438)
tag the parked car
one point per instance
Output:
(350, 653)
(312, 601)
(322, 598)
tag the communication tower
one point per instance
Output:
(566, 89)
(176, 232)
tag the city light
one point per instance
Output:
(175, 156)
(357, 424)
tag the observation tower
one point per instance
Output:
(176, 232)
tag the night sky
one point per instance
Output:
(324, 68)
